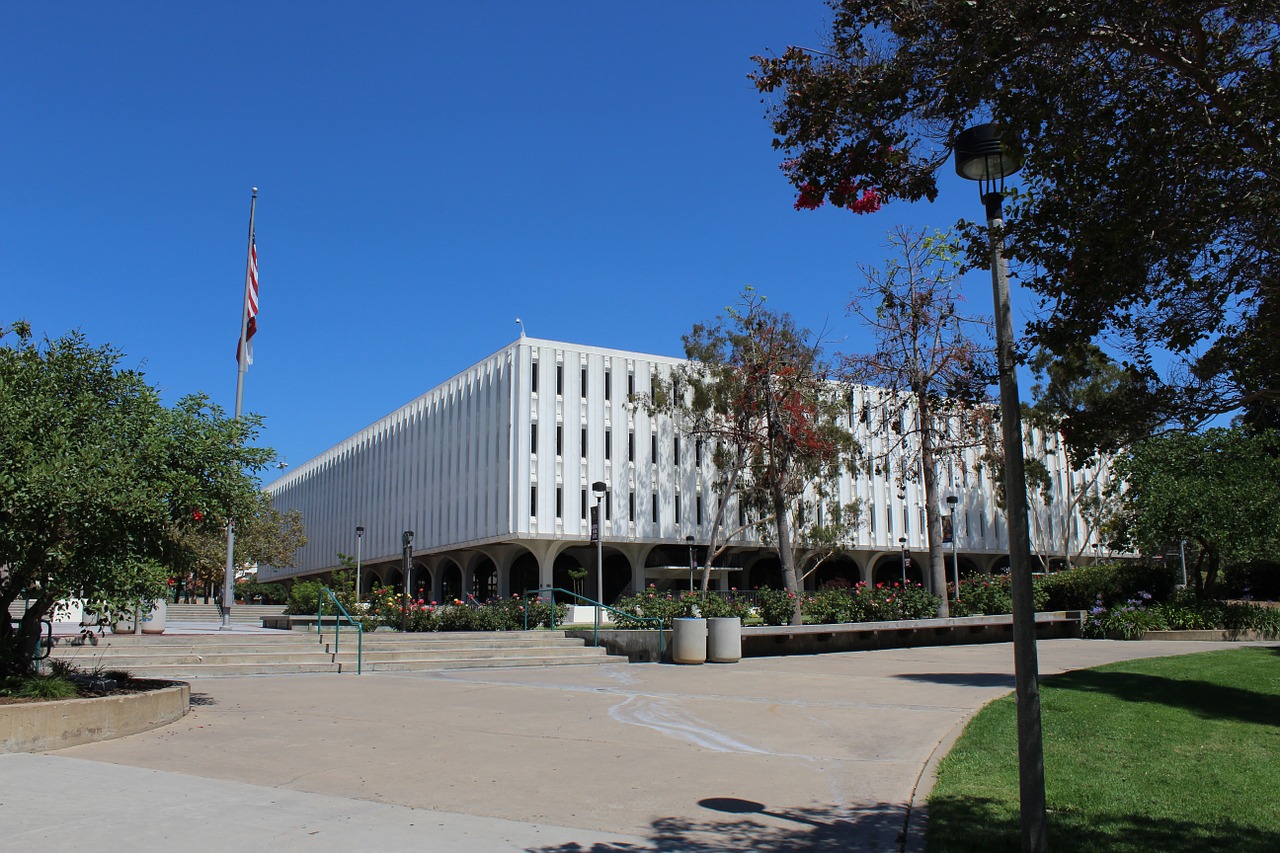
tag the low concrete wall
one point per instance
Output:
(771, 640)
(1215, 636)
(42, 726)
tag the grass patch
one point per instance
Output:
(1176, 754)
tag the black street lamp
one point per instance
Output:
(952, 500)
(359, 539)
(902, 540)
(599, 488)
(406, 543)
(982, 156)
(689, 539)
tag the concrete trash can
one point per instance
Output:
(689, 641)
(724, 639)
(153, 622)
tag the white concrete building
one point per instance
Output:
(493, 470)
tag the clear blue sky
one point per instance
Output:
(428, 172)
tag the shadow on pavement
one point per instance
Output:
(962, 679)
(807, 830)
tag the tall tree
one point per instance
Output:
(1220, 489)
(1151, 175)
(757, 390)
(928, 401)
(98, 479)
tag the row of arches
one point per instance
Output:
(502, 570)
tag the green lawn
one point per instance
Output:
(1176, 755)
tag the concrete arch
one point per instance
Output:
(484, 578)
(888, 570)
(448, 582)
(838, 570)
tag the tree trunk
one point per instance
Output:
(933, 517)
(786, 554)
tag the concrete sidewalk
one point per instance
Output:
(829, 752)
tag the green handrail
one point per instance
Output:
(339, 614)
(595, 631)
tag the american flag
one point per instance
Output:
(250, 302)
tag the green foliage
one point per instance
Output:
(1182, 612)
(775, 606)
(1080, 588)
(386, 608)
(100, 483)
(1219, 488)
(269, 593)
(1107, 103)
(304, 597)
(39, 687)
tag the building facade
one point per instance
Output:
(493, 472)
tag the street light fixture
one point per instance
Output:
(599, 488)
(902, 540)
(406, 543)
(689, 539)
(982, 156)
(359, 539)
(952, 500)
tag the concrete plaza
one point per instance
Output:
(817, 753)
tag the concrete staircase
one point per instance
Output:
(247, 614)
(164, 656)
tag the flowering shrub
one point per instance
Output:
(1079, 588)
(386, 608)
(1183, 611)
(990, 596)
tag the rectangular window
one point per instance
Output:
(697, 454)
(584, 504)
(559, 439)
(533, 438)
(533, 377)
(584, 442)
(559, 502)
(675, 450)
(631, 447)
(653, 507)
(631, 506)
(608, 507)
(608, 444)
(742, 515)
(608, 384)
(533, 500)
(653, 448)
(560, 380)
(677, 509)
(871, 514)
(584, 383)
(698, 516)
(631, 384)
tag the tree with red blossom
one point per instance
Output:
(757, 393)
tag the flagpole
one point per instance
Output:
(229, 579)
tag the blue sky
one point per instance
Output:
(428, 172)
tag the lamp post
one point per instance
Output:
(902, 540)
(406, 543)
(689, 539)
(599, 488)
(359, 539)
(952, 500)
(982, 156)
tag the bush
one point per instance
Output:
(1183, 611)
(652, 604)
(304, 597)
(775, 606)
(1081, 587)
(992, 595)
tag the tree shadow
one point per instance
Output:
(1202, 698)
(775, 830)
(202, 699)
(963, 679)
(976, 825)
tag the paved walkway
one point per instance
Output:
(818, 753)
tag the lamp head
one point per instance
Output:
(953, 500)
(359, 530)
(599, 488)
(982, 155)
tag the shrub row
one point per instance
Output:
(1135, 616)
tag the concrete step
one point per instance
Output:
(178, 656)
